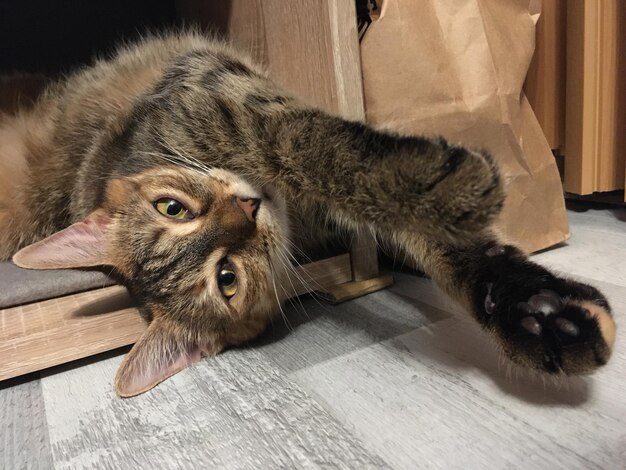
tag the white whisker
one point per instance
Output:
(306, 284)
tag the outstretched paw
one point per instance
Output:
(548, 323)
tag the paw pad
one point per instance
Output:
(567, 327)
(531, 325)
(497, 250)
(551, 332)
(546, 302)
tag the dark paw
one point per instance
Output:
(559, 326)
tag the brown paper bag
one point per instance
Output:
(456, 68)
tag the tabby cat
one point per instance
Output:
(182, 167)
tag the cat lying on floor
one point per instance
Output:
(182, 167)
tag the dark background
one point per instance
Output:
(54, 36)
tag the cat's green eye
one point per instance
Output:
(171, 208)
(227, 281)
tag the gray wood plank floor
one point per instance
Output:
(397, 379)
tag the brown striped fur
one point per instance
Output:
(186, 117)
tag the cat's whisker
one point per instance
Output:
(108, 276)
(306, 284)
(290, 300)
(175, 160)
(294, 261)
(185, 157)
(168, 158)
(188, 161)
(297, 264)
(290, 267)
(313, 292)
(285, 263)
(298, 249)
(280, 307)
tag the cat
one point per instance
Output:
(178, 164)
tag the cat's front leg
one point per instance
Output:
(539, 319)
(362, 176)
(437, 201)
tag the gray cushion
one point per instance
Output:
(23, 286)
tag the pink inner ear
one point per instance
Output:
(81, 244)
(155, 357)
(150, 374)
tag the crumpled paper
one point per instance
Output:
(456, 69)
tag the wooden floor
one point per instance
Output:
(396, 379)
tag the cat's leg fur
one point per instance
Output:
(363, 176)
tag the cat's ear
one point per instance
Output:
(79, 245)
(160, 353)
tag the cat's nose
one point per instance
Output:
(249, 206)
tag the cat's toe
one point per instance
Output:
(546, 302)
(531, 325)
(559, 335)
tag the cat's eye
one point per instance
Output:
(227, 280)
(172, 208)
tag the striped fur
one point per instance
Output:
(185, 116)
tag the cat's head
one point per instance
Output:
(203, 253)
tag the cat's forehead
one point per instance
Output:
(197, 183)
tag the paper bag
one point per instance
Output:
(456, 68)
